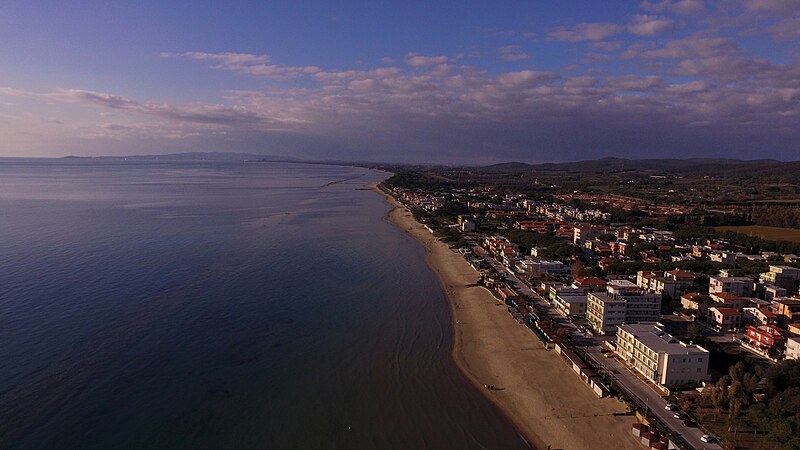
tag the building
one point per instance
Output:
(605, 312)
(724, 318)
(583, 233)
(765, 337)
(561, 289)
(660, 357)
(619, 305)
(783, 276)
(741, 286)
(571, 305)
(550, 269)
(729, 300)
(693, 301)
(758, 316)
(787, 309)
(772, 291)
(672, 283)
(466, 224)
(793, 347)
(590, 284)
(727, 257)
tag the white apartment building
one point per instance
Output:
(583, 233)
(793, 347)
(620, 305)
(571, 304)
(783, 276)
(660, 357)
(741, 286)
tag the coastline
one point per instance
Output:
(543, 398)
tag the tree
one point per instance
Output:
(578, 268)
(694, 332)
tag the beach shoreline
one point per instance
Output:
(544, 399)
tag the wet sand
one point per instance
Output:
(540, 394)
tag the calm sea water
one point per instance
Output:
(221, 305)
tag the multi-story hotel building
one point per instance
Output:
(660, 357)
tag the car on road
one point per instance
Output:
(708, 439)
(678, 415)
(671, 407)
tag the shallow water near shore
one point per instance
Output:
(221, 305)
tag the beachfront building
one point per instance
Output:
(660, 357)
(571, 304)
(605, 312)
(741, 286)
(553, 269)
(621, 304)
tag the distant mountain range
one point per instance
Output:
(197, 156)
(686, 167)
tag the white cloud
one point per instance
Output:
(597, 31)
(415, 60)
(644, 25)
(246, 63)
(677, 7)
(512, 53)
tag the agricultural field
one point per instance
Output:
(769, 233)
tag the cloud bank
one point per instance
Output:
(657, 92)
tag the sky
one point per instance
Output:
(460, 82)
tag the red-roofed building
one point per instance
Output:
(765, 337)
(590, 284)
(729, 300)
(758, 316)
(724, 318)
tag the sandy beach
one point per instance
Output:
(542, 396)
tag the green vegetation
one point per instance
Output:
(550, 246)
(752, 406)
(766, 233)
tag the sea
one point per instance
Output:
(193, 305)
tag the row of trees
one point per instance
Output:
(775, 216)
(764, 401)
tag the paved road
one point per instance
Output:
(648, 397)
(620, 376)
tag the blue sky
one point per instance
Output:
(443, 82)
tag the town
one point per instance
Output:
(695, 328)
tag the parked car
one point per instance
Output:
(678, 415)
(671, 407)
(708, 439)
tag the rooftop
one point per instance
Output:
(655, 338)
